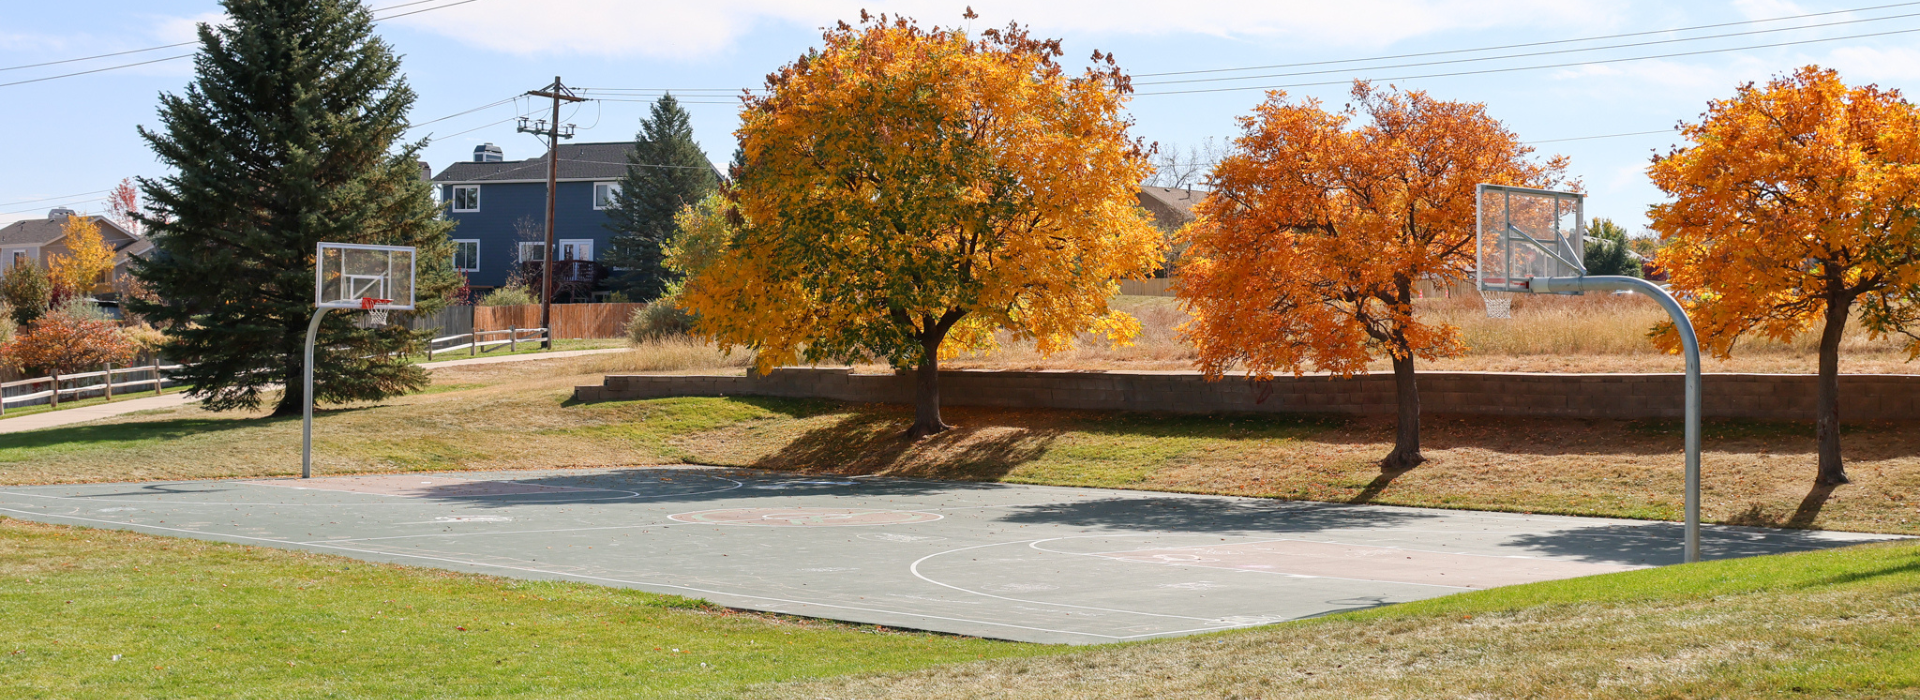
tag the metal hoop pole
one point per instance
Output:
(306, 410)
(1689, 343)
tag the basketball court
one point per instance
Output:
(1029, 563)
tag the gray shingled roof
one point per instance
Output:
(1172, 207)
(38, 232)
(578, 161)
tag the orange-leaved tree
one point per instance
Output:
(906, 193)
(86, 261)
(123, 205)
(1320, 224)
(1797, 203)
(63, 344)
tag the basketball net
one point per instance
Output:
(376, 317)
(1499, 304)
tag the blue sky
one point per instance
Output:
(67, 140)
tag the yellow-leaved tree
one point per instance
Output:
(908, 192)
(86, 261)
(1797, 203)
(1306, 253)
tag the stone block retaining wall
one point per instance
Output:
(1760, 396)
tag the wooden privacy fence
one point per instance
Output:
(569, 320)
(77, 386)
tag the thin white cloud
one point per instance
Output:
(173, 30)
(1873, 65)
(691, 30)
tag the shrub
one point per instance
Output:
(146, 338)
(62, 344)
(79, 307)
(659, 320)
(27, 290)
(508, 296)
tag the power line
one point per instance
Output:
(1538, 67)
(1603, 136)
(477, 128)
(1525, 45)
(185, 55)
(96, 70)
(488, 105)
(1532, 54)
(56, 206)
(49, 199)
(104, 55)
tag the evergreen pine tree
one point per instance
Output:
(665, 171)
(1608, 252)
(288, 135)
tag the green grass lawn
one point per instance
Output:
(1832, 624)
(110, 614)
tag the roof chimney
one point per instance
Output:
(59, 214)
(487, 153)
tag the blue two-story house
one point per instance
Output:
(499, 208)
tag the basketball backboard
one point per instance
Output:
(1524, 233)
(347, 273)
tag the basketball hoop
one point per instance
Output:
(1499, 304)
(377, 317)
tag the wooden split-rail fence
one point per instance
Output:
(72, 387)
(479, 342)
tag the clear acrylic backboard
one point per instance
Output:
(347, 273)
(1524, 233)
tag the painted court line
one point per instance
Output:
(1036, 544)
(915, 568)
(633, 582)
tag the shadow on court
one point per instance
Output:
(1661, 542)
(1210, 516)
(663, 485)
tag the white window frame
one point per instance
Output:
(612, 189)
(457, 243)
(535, 246)
(560, 247)
(474, 200)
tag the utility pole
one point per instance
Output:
(558, 92)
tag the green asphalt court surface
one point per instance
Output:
(1027, 563)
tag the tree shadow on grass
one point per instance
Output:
(105, 435)
(1803, 517)
(1376, 486)
(875, 442)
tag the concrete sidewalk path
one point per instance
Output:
(54, 419)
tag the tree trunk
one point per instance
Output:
(1827, 402)
(293, 379)
(1406, 440)
(926, 394)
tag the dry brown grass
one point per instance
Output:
(1591, 333)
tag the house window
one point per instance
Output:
(19, 258)
(533, 252)
(466, 255)
(576, 249)
(603, 193)
(466, 197)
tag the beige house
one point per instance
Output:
(41, 239)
